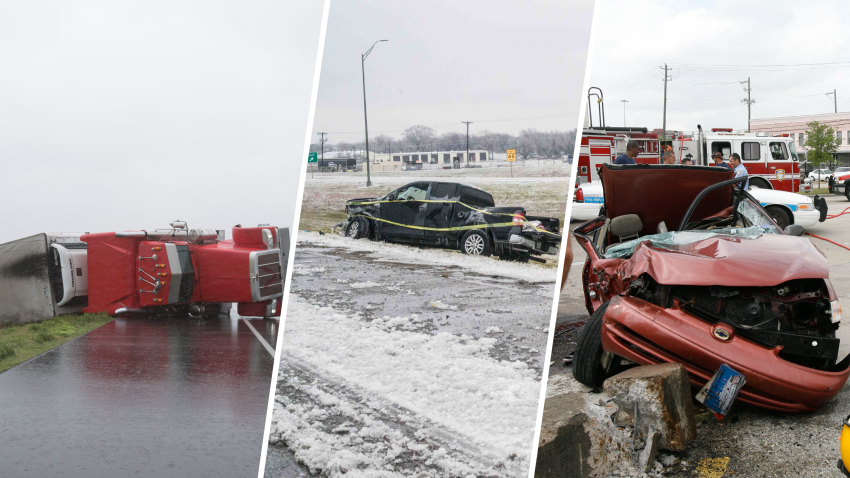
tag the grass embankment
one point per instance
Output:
(820, 191)
(323, 204)
(21, 342)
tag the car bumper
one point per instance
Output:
(633, 328)
(806, 218)
(585, 211)
(537, 244)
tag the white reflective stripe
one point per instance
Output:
(176, 273)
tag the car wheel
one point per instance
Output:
(475, 243)
(779, 216)
(587, 358)
(357, 228)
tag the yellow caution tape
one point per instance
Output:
(524, 222)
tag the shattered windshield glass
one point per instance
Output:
(669, 240)
(757, 217)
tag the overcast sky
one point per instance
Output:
(448, 61)
(633, 39)
(128, 115)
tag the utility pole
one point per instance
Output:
(467, 123)
(664, 122)
(322, 139)
(624, 101)
(834, 98)
(748, 100)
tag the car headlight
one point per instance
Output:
(836, 311)
(805, 207)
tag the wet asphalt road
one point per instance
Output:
(475, 302)
(137, 397)
(757, 443)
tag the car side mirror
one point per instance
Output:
(391, 197)
(794, 230)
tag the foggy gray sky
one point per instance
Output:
(128, 115)
(449, 61)
(633, 39)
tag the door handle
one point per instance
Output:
(422, 207)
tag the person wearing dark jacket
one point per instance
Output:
(632, 150)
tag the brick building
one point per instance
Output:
(796, 127)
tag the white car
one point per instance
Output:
(783, 207)
(820, 174)
(840, 171)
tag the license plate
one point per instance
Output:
(721, 391)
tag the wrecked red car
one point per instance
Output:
(686, 267)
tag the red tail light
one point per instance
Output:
(579, 195)
(519, 218)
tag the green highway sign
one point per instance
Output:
(313, 157)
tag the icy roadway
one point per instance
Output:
(137, 397)
(400, 361)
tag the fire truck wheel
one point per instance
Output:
(587, 358)
(358, 228)
(476, 243)
(779, 216)
(760, 183)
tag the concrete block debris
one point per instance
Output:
(659, 399)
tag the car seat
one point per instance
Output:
(626, 227)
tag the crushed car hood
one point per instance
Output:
(361, 200)
(723, 260)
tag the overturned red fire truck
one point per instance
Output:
(171, 272)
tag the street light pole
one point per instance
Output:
(624, 101)
(366, 121)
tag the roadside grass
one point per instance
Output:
(21, 342)
(820, 191)
(323, 204)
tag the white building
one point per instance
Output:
(432, 157)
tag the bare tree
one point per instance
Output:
(382, 142)
(418, 135)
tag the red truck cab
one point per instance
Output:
(137, 271)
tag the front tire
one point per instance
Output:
(779, 216)
(358, 228)
(476, 243)
(587, 358)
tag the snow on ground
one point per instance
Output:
(447, 379)
(300, 269)
(363, 285)
(439, 304)
(414, 255)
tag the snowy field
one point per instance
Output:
(401, 361)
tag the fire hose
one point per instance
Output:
(828, 240)
(845, 211)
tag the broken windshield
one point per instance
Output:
(670, 240)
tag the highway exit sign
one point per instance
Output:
(312, 157)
